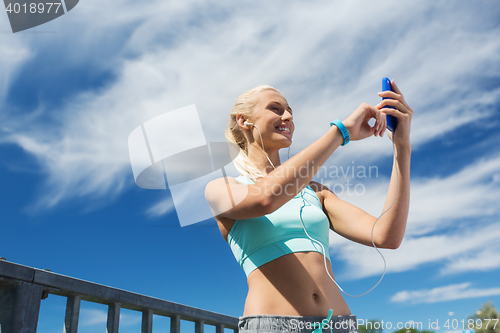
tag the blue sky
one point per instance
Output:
(73, 89)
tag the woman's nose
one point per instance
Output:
(287, 115)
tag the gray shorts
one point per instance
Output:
(296, 324)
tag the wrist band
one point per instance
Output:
(343, 130)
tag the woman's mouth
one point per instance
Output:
(283, 129)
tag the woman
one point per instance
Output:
(264, 213)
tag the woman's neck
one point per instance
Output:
(258, 156)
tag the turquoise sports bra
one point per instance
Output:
(259, 240)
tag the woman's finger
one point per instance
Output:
(384, 120)
(379, 126)
(391, 95)
(395, 87)
(391, 112)
(378, 123)
(394, 103)
(394, 94)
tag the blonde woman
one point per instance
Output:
(276, 220)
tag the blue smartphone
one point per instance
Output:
(392, 122)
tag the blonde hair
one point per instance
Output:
(245, 105)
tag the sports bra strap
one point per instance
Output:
(245, 180)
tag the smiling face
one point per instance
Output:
(273, 116)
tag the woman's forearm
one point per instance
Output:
(282, 184)
(291, 177)
(296, 173)
(392, 224)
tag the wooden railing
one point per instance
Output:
(23, 288)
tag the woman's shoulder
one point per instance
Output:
(220, 182)
(234, 199)
(229, 180)
(213, 188)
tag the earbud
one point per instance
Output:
(247, 123)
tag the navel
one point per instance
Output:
(315, 296)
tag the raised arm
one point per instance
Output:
(354, 223)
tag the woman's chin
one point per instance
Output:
(287, 143)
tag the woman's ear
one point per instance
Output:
(243, 122)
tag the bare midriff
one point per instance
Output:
(295, 284)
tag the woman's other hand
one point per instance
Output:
(357, 123)
(403, 113)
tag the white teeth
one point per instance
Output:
(286, 129)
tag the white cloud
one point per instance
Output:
(13, 53)
(435, 203)
(160, 208)
(449, 248)
(184, 53)
(90, 317)
(175, 54)
(443, 224)
(470, 193)
(443, 294)
(482, 260)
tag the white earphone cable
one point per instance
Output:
(324, 256)
(373, 228)
(262, 144)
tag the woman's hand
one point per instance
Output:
(403, 113)
(357, 123)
